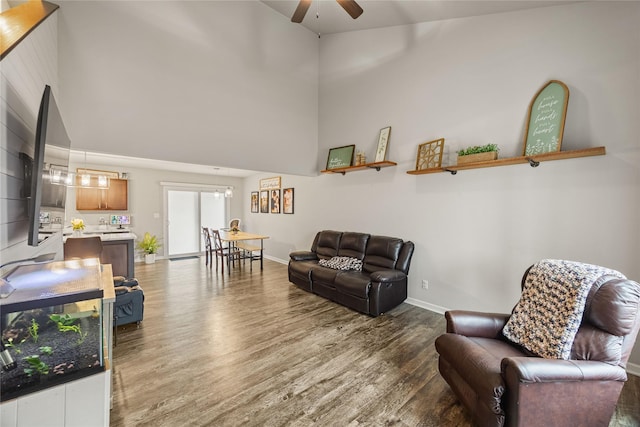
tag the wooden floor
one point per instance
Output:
(252, 349)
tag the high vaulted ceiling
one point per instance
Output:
(326, 16)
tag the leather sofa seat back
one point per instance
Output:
(404, 259)
(353, 245)
(327, 244)
(382, 253)
(609, 323)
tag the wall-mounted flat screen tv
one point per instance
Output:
(50, 162)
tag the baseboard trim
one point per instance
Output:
(427, 306)
(272, 258)
(632, 368)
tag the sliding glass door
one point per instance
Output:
(188, 210)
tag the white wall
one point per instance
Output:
(24, 72)
(156, 78)
(470, 81)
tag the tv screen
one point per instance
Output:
(50, 162)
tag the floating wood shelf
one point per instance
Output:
(532, 160)
(376, 165)
(19, 21)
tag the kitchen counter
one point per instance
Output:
(104, 236)
(117, 247)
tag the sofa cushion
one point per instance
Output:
(342, 263)
(323, 274)
(382, 253)
(353, 244)
(353, 283)
(302, 268)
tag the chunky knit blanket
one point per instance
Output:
(342, 263)
(547, 317)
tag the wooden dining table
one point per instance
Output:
(233, 238)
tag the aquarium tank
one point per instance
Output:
(51, 326)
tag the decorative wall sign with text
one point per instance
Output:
(340, 157)
(547, 113)
(270, 183)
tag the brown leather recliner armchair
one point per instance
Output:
(502, 383)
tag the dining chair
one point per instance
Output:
(208, 248)
(231, 253)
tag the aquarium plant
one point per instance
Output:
(36, 366)
(46, 350)
(33, 330)
(66, 323)
(15, 347)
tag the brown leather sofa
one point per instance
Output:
(501, 383)
(381, 284)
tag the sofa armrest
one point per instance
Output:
(541, 390)
(475, 324)
(537, 370)
(303, 256)
(387, 276)
(388, 289)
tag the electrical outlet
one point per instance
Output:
(425, 284)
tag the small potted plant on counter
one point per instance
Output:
(77, 225)
(149, 245)
(478, 153)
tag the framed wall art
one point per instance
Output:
(383, 142)
(430, 154)
(545, 125)
(340, 157)
(275, 201)
(264, 201)
(287, 201)
(254, 201)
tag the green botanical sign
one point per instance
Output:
(546, 119)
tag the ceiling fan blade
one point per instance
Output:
(301, 10)
(351, 7)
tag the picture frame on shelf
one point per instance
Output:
(264, 201)
(340, 157)
(383, 143)
(287, 200)
(546, 118)
(430, 154)
(274, 203)
(254, 201)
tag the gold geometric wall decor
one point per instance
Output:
(430, 154)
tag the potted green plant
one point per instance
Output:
(478, 153)
(149, 245)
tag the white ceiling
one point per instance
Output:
(121, 163)
(326, 16)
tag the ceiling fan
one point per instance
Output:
(350, 6)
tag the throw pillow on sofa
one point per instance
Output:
(342, 263)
